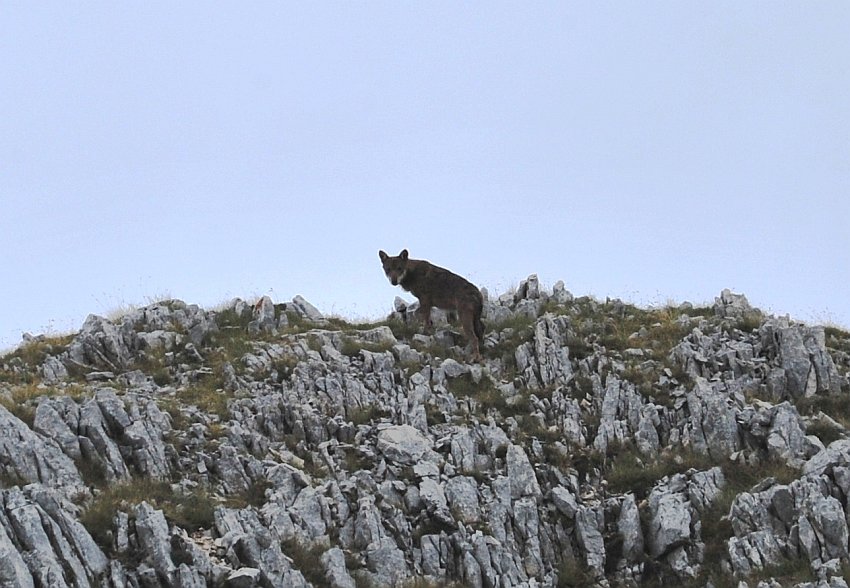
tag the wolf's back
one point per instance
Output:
(447, 282)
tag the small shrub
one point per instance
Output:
(305, 558)
(255, 495)
(580, 387)
(10, 479)
(352, 347)
(628, 471)
(206, 397)
(433, 415)
(314, 343)
(33, 353)
(836, 406)
(21, 400)
(484, 393)
(363, 415)
(749, 323)
(403, 330)
(558, 456)
(513, 332)
(572, 573)
(195, 511)
(354, 461)
(825, 432)
(530, 425)
(716, 528)
(192, 511)
(229, 318)
(342, 324)
(92, 472)
(179, 421)
(99, 515)
(580, 348)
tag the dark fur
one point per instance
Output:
(435, 286)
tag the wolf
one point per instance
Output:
(436, 286)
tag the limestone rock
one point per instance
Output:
(403, 444)
(521, 473)
(28, 456)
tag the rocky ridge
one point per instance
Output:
(598, 444)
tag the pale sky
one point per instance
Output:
(649, 151)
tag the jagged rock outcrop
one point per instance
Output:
(44, 543)
(269, 445)
(27, 456)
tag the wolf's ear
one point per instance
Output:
(382, 255)
(403, 254)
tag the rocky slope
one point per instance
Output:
(267, 445)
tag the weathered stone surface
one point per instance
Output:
(28, 456)
(630, 529)
(53, 370)
(55, 548)
(731, 305)
(152, 531)
(670, 520)
(800, 353)
(101, 345)
(246, 577)
(403, 444)
(462, 497)
(13, 569)
(358, 448)
(307, 310)
(248, 543)
(545, 360)
(333, 563)
(713, 427)
(521, 473)
(589, 534)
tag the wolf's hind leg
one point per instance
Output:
(468, 321)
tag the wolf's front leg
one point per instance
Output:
(425, 317)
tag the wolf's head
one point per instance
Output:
(394, 267)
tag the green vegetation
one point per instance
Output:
(628, 471)
(21, 365)
(21, 400)
(191, 511)
(825, 432)
(433, 414)
(484, 396)
(420, 582)
(206, 396)
(93, 472)
(837, 407)
(341, 324)
(749, 323)
(716, 528)
(305, 558)
(363, 415)
(352, 347)
(573, 573)
(155, 363)
(403, 330)
(837, 339)
(513, 332)
(10, 479)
